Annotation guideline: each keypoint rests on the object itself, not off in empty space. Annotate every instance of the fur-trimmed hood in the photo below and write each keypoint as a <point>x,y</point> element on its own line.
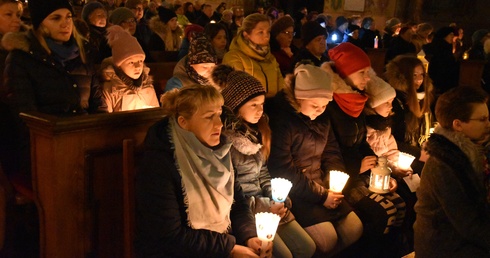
<point>107,72</point>
<point>472,151</point>
<point>396,78</point>
<point>338,84</point>
<point>16,40</point>
<point>156,25</point>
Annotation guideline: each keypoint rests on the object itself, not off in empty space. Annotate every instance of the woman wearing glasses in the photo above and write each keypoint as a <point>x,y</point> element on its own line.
<point>282,32</point>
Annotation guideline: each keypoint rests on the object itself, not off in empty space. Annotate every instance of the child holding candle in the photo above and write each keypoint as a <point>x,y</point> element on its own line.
<point>247,128</point>
<point>304,150</point>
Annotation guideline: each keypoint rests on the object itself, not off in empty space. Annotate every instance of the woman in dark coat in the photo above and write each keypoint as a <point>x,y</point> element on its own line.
<point>46,71</point>
<point>453,216</point>
<point>188,199</point>
<point>304,150</point>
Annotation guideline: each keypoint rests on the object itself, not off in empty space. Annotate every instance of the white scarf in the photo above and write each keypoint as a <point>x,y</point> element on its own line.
<point>207,180</point>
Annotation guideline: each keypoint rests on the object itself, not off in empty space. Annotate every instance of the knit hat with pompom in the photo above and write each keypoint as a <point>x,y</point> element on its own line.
<point>239,86</point>
<point>123,45</point>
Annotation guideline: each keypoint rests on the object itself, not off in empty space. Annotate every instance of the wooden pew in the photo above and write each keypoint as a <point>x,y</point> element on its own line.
<point>161,73</point>
<point>471,72</point>
<point>78,181</point>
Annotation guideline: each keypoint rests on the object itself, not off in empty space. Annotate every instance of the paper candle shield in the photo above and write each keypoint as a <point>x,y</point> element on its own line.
<point>338,180</point>
<point>280,189</point>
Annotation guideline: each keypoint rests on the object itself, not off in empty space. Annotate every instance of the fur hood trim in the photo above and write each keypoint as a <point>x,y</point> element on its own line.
<point>470,149</point>
<point>108,73</point>
<point>156,25</point>
<point>396,78</point>
<point>338,84</point>
<point>16,40</point>
<point>242,143</point>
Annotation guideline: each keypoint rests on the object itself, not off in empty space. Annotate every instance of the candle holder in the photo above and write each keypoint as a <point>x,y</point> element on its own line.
<point>266,224</point>
<point>280,189</point>
<point>379,182</point>
<point>405,160</point>
<point>338,179</point>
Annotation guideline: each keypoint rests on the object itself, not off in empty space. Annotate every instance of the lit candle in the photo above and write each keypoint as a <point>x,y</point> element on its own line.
<point>338,180</point>
<point>266,224</point>
<point>405,160</point>
<point>280,189</point>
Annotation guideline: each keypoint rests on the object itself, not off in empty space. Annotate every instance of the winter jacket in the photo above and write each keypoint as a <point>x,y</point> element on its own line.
<point>349,131</point>
<point>98,42</point>
<point>453,218</point>
<point>304,151</point>
<point>265,68</point>
<point>284,60</point>
<point>162,226</point>
<point>119,96</point>
<point>381,141</point>
<point>162,38</point>
<point>443,67</point>
<point>399,47</point>
<point>367,37</point>
<point>36,81</point>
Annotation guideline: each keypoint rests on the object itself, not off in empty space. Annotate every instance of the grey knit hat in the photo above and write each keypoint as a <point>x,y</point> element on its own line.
<point>120,14</point>
<point>240,87</point>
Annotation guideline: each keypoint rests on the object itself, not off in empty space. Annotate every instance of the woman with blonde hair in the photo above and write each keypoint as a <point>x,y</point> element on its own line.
<point>167,34</point>
<point>250,52</point>
<point>48,71</point>
<point>189,203</point>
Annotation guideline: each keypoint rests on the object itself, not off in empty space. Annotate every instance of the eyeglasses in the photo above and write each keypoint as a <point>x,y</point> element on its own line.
<point>130,21</point>
<point>481,119</point>
<point>289,33</point>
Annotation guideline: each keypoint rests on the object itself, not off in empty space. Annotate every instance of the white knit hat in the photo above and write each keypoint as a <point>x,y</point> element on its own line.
<point>379,91</point>
<point>123,45</point>
<point>312,82</point>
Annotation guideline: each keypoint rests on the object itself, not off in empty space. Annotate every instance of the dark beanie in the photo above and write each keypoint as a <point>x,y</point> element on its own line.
<point>120,14</point>
<point>165,14</point>
<point>239,88</point>
<point>90,8</point>
<point>280,25</point>
<point>443,32</point>
<point>40,9</point>
<point>311,30</point>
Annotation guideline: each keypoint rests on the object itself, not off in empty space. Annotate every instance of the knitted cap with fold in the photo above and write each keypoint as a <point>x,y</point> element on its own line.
<point>123,45</point>
<point>40,9</point>
<point>348,59</point>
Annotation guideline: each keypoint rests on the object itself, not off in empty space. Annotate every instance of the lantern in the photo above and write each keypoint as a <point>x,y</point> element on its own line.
<point>280,189</point>
<point>380,177</point>
<point>338,180</point>
<point>405,160</point>
<point>266,224</point>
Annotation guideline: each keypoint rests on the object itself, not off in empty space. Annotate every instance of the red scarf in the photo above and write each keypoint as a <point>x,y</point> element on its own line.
<point>351,103</point>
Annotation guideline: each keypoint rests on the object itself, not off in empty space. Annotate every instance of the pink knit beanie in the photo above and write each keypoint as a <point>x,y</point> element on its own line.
<point>348,59</point>
<point>123,44</point>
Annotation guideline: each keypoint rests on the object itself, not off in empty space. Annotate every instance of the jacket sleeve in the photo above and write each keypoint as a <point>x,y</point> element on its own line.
<point>441,183</point>
<point>332,157</point>
<point>173,83</point>
<point>242,219</point>
<point>281,164</point>
<point>233,59</point>
<point>162,220</point>
<point>265,181</point>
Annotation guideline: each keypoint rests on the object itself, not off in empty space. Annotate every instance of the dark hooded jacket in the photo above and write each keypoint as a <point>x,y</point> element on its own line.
<point>162,225</point>
<point>304,151</point>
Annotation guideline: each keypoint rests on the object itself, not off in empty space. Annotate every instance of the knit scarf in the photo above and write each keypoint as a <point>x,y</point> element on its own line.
<point>128,81</point>
<point>351,103</point>
<point>63,52</point>
<point>261,50</point>
<point>207,180</point>
<point>191,72</point>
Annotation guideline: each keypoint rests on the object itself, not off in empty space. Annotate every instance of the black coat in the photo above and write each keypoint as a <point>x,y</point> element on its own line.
<point>304,151</point>
<point>443,67</point>
<point>351,135</point>
<point>36,81</point>
<point>305,55</point>
<point>162,227</point>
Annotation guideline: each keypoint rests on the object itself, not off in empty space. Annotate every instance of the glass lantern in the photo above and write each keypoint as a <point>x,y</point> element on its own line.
<point>379,181</point>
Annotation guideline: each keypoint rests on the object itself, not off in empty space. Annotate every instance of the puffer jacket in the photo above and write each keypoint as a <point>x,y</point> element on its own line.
<point>180,77</point>
<point>118,96</point>
<point>162,224</point>
<point>265,68</point>
<point>162,38</point>
<point>453,218</point>
<point>304,151</point>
